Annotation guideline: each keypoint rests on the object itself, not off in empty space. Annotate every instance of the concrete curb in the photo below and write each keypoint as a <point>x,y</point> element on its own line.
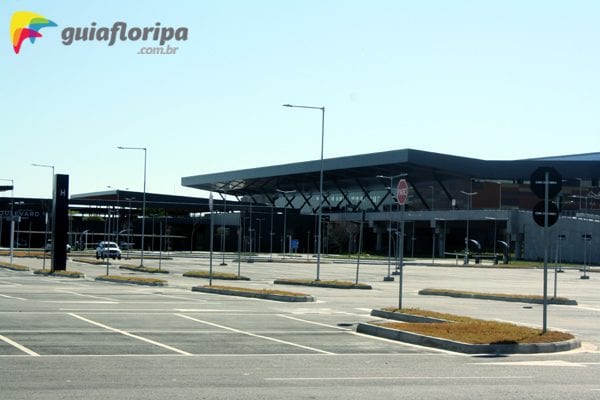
<point>428,292</point>
<point>144,269</point>
<point>190,274</point>
<point>360,286</point>
<point>131,282</point>
<point>266,296</point>
<point>14,267</point>
<point>74,275</point>
<point>405,317</point>
<point>459,347</point>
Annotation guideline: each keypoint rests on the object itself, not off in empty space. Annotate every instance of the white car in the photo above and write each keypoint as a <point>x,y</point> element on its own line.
<point>108,249</point>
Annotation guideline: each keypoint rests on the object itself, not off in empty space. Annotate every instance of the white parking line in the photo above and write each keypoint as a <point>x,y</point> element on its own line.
<point>86,295</point>
<point>255,335</point>
<point>164,346</point>
<point>185,298</point>
<point>352,332</point>
<point>313,323</point>
<point>11,297</point>
<point>388,378</point>
<point>19,346</point>
<point>8,283</point>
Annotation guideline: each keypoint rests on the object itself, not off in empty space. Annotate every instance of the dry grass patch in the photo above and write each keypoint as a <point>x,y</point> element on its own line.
<point>500,295</point>
<point>259,291</point>
<point>131,279</point>
<point>90,260</point>
<point>14,267</point>
<point>150,270</point>
<point>65,274</point>
<point>327,284</point>
<point>215,275</point>
<point>474,331</point>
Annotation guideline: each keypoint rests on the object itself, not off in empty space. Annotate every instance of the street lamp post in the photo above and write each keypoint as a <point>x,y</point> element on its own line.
<point>389,277</point>
<point>469,195</point>
<point>143,197</point>
<point>320,229</point>
<point>12,215</point>
<point>285,193</point>
<point>46,223</point>
<point>260,220</point>
<point>223,230</point>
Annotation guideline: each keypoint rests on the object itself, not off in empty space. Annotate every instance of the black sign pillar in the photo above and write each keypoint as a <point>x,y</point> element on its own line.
<point>60,222</point>
<point>545,182</point>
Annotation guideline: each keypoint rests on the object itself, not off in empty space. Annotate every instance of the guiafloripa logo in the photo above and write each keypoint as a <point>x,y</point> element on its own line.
<point>26,25</point>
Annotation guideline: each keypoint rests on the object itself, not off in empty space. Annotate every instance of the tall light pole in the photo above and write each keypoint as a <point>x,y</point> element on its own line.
<point>285,193</point>
<point>320,229</point>
<point>45,166</point>
<point>143,197</point>
<point>12,215</point>
<point>51,196</point>
<point>389,277</point>
<point>469,195</point>
<point>260,220</point>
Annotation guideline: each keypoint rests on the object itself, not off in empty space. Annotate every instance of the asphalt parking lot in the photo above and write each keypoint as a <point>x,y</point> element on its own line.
<point>74,338</point>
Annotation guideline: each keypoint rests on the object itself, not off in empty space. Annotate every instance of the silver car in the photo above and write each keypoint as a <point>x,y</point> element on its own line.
<point>108,249</point>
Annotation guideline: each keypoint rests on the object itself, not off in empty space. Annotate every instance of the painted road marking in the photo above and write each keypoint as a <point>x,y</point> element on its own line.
<point>537,363</point>
<point>387,378</point>
<point>79,302</point>
<point>143,339</point>
<point>313,323</point>
<point>19,346</point>
<point>11,297</point>
<point>86,295</point>
<point>255,335</point>
<point>10,283</point>
<point>185,298</point>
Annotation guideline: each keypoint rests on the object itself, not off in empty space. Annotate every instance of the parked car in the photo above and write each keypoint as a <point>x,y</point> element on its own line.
<point>48,247</point>
<point>108,249</point>
<point>126,246</point>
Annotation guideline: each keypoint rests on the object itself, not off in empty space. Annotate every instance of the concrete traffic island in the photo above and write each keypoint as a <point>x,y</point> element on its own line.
<point>532,299</point>
<point>132,280</point>
<point>266,294</point>
<point>465,335</point>
<point>61,274</point>
<point>148,270</point>
<point>13,267</point>
<point>324,284</point>
<point>215,275</point>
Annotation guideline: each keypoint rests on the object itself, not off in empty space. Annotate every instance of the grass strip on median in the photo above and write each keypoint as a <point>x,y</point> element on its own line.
<point>325,284</point>
<point>132,280</point>
<point>13,267</point>
<point>64,274</point>
<point>150,270</point>
<point>474,331</point>
<point>268,294</point>
<point>536,299</point>
<point>215,275</point>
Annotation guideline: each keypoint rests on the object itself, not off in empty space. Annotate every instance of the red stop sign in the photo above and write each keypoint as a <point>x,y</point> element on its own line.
<point>402,192</point>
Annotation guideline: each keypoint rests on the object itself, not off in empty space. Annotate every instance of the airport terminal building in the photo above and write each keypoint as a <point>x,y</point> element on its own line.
<point>454,203</point>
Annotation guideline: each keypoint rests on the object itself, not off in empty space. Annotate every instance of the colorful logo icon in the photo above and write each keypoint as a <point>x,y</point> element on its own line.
<point>26,25</point>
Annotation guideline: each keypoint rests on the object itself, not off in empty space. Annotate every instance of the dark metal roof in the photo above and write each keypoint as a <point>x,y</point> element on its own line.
<point>574,157</point>
<point>352,171</point>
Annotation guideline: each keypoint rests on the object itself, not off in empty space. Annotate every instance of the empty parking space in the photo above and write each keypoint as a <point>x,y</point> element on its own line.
<point>49,317</point>
<point>191,333</point>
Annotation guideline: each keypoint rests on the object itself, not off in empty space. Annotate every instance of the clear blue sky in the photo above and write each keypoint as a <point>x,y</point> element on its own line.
<point>487,79</point>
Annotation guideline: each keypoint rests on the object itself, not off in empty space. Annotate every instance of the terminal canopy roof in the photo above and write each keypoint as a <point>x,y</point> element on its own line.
<point>366,170</point>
